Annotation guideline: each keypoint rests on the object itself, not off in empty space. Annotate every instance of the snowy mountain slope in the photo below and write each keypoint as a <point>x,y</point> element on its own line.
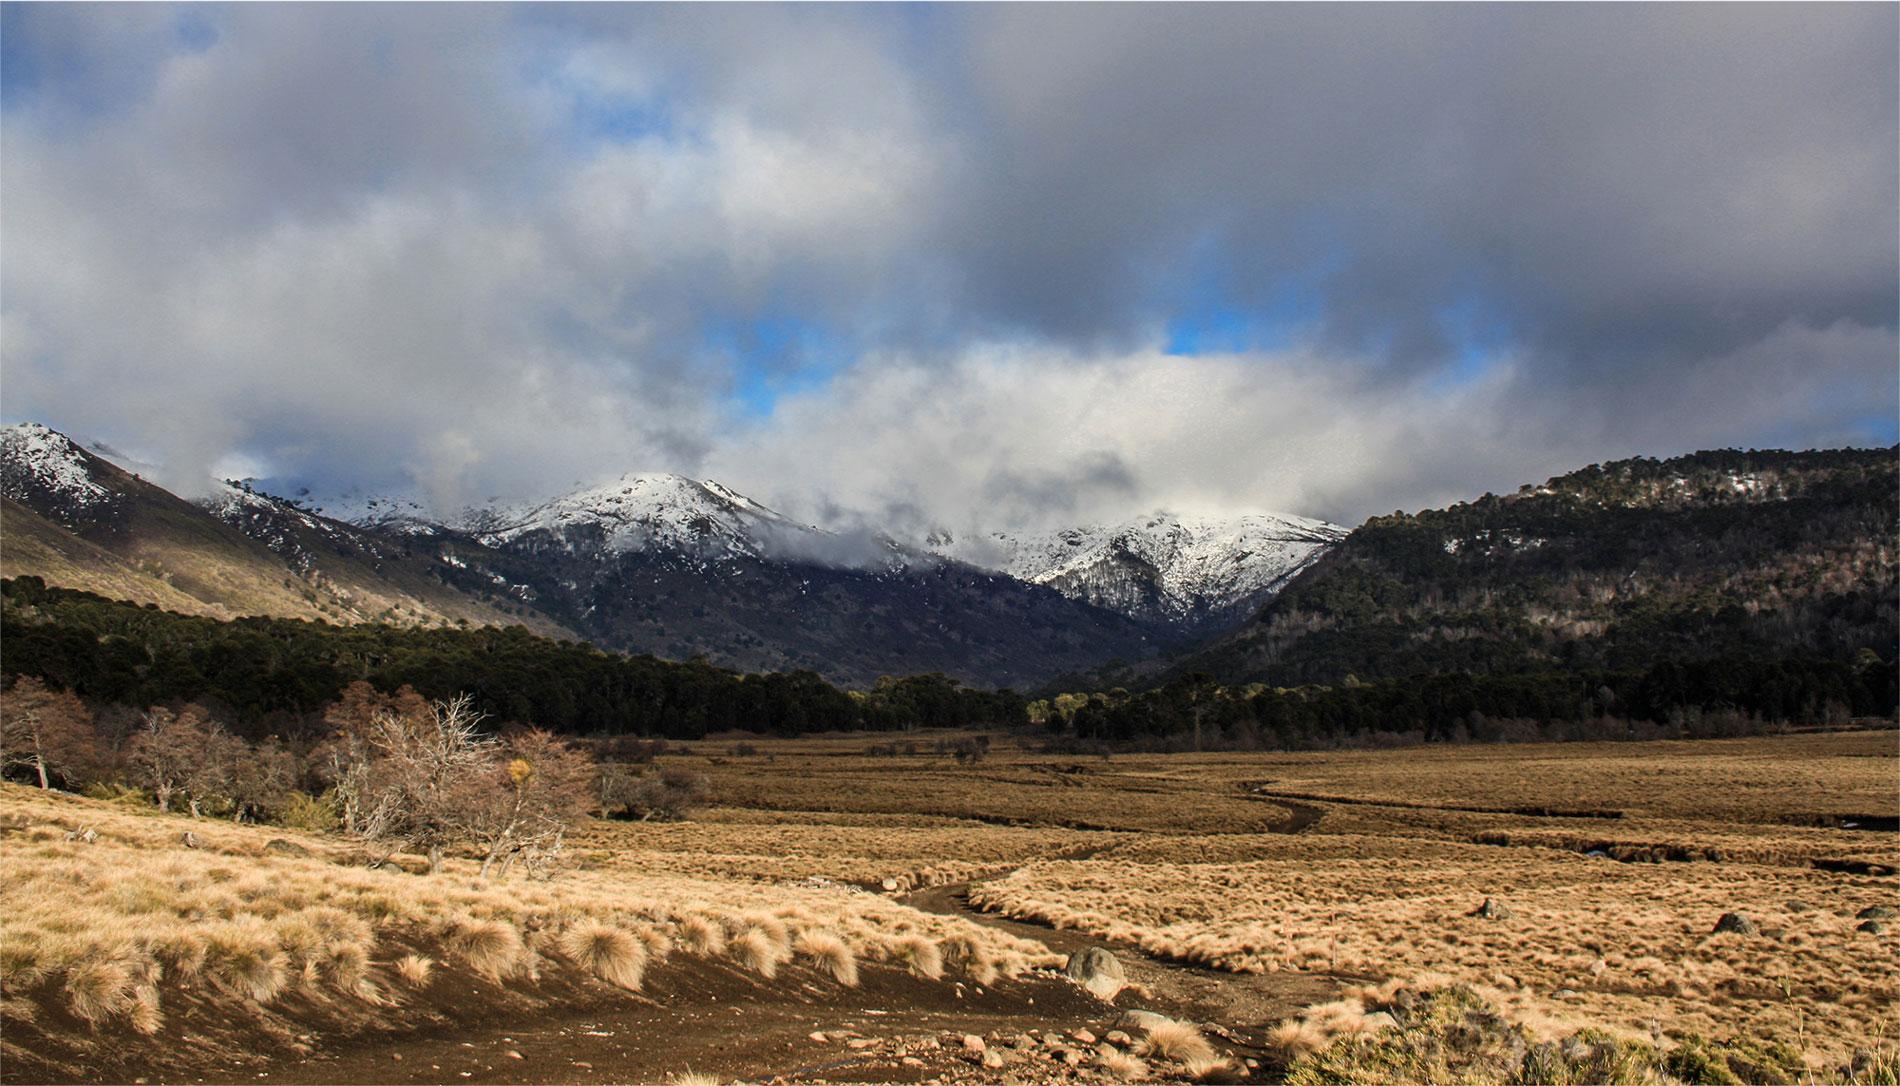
<point>1181,570</point>
<point>43,468</point>
<point>75,518</point>
<point>640,512</point>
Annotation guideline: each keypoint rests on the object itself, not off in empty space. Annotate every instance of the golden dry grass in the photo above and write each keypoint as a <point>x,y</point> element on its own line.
<point>1172,853</point>
<point>99,921</point>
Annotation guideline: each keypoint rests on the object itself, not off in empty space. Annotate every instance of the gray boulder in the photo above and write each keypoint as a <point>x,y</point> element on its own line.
<point>1492,909</point>
<point>1877,912</point>
<point>1097,970</point>
<point>1737,923</point>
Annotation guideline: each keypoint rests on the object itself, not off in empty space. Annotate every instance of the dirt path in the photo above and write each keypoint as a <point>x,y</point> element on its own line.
<point>713,1020</point>
<point>1243,1006</point>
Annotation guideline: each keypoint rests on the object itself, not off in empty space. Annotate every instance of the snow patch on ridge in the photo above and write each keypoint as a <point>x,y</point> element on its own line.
<point>1166,566</point>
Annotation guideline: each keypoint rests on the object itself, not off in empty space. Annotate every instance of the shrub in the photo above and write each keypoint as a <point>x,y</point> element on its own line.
<point>314,814</point>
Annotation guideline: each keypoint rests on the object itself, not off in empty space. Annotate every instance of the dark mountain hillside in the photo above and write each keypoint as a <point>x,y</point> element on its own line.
<point>1615,566</point>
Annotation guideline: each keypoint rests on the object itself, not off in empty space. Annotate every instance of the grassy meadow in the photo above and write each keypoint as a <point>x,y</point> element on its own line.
<point>1367,866</point>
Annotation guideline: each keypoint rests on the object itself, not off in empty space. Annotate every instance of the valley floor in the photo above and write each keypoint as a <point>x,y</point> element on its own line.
<point>1240,891</point>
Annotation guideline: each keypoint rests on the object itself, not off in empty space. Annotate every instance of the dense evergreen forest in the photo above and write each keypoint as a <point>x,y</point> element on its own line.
<point>274,676</point>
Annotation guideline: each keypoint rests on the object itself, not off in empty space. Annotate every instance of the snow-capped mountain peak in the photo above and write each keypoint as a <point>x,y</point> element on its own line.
<point>1163,565</point>
<point>40,465</point>
<point>645,511</point>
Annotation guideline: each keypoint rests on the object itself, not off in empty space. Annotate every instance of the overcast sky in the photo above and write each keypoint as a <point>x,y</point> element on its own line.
<point>950,266</point>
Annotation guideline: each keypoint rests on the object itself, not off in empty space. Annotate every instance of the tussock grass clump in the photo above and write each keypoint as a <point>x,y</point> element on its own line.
<point>1122,1065</point>
<point>755,949</point>
<point>98,991</point>
<point>695,1078</point>
<point>415,969</point>
<point>702,936</point>
<point>607,952</point>
<point>1177,1041</point>
<point>920,955</point>
<point>492,948</point>
<point>830,955</point>
<point>244,957</point>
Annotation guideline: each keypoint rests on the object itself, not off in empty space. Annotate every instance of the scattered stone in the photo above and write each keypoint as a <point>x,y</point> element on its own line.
<point>87,835</point>
<point>860,1043</point>
<point>993,1059</point>
<point>1142,1020</point>
<point>1871,927</point>
<point>1096,969</point>
<point>1736,923</point>
<point>1796,905</point>
<point>1022,1041</point>
<point>911,1061</point>
<point>583,1065</point>
<point>1071,1057</point>
<point>1564,993</point>
<point>285,848</point>
<point>1117,1037</point>
<point>1492,909</point>
<point>188,839</point>
<point>397,1056</point>
<point>972,1043</point>
<point>513,1055</point>
<point>1877,912</point>
<point>818,1037</point>
<point>889,885</point>
<point>1083,1036</point>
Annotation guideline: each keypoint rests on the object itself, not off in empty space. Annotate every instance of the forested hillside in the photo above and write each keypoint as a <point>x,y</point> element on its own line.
<point>1616,566</point>
<point>274,676</point>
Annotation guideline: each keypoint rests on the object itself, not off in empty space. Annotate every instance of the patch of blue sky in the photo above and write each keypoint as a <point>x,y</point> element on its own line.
<point>1480,341</point>
<point>772,357</point>
<point>1212,310</point>
<point>1213,322</point>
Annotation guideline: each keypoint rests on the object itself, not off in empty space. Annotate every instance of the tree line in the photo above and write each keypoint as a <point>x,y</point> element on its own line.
<point>1675,698</point>
<point>274,676</point>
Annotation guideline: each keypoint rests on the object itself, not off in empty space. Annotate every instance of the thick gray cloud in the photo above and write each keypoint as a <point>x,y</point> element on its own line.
<point>1418,252</point>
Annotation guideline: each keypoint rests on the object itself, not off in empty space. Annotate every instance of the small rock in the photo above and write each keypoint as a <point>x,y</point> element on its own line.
<point>1071,1057</point>
<point>188,839</point>
<point>889,885</point>
<point>1564,993</point>
<point>397,1056</point>
<point>1877,912</point>
<point>1022,1041</point>
<point>1492,909</point>
<point>1083,1036</point>
<point>1143,1020</point>
<point>993,1059</point>
<point>1117,1037</point>
<point>285,848</point>
<point>972,1043</point>
<point>1796,905</point>
<point>1737,923</point>
<point>818,1037</point>
<point>1871,927</point>
<point>911,1061</point>
<point>583,1065</point>
<point>513,1055</point>
<point>860,1043</point>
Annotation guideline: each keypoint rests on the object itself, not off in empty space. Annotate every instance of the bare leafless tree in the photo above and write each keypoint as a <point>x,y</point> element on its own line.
<point>540,787</point>
<point>45,730</point>
<point>166,748</point>
<point>428,769</point>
